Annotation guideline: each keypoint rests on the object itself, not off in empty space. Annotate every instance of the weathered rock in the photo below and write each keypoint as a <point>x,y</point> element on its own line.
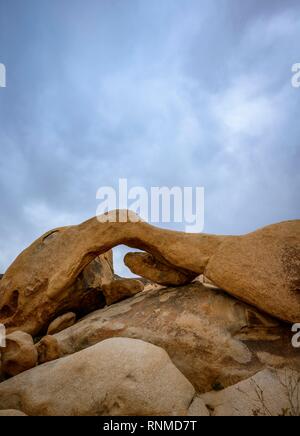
<point>11,412</point>
<point>86,292</point>
<point>198,408</point>
<point>24,302</point>
<point>146,265</point>
<point>115,377</point>
<point>268,393</point>
<point>19,354</point>
<point>120,289</point>
<point>152,287</point>
<point>261,268</point>
<point>212,338</point>
<point>47,349</point>
<point>205,281</point>
<point>61,323</point>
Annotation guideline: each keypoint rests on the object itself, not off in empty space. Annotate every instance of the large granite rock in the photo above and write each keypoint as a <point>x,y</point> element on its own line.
<point>146,265</point>
<point>263,269</point>
<point>116,377</point>
<point>19,354</point>
<point>61,323</point>
<point>267,393</point>
<point>212,338</point>
<point>120,289</point>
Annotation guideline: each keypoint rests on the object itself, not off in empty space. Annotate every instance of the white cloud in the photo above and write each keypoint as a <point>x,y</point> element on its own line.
<point>43,217</point>
<point>245,109</point>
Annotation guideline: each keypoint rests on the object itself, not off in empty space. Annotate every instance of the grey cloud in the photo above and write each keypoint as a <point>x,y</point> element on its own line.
<point>163,93</point>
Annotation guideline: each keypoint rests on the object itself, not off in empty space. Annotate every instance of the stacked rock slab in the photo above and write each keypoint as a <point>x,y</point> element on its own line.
<point>212,338</point>
<point>120,289</point>
<point>61,323</point>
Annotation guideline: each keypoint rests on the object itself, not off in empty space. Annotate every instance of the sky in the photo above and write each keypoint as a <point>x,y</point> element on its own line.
<point>163,93</point>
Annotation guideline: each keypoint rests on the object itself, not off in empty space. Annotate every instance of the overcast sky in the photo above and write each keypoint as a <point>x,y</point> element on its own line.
<point>172,92</point>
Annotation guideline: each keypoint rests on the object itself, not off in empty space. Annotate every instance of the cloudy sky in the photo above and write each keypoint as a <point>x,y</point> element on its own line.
<point>163,93</point>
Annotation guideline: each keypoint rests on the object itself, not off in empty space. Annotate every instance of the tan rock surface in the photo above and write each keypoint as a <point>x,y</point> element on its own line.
<point>24,302</point>
<point>116,377</point>
<point>62,322</point>
<point>120,289</point>
<point>261,268</point>
<point>212,338</point>
<point>47,349</point>
<point>267,393</point>
<point>146,265</point>
<point>19,354</point>
<point>198,408</point>
<point>11,412</point>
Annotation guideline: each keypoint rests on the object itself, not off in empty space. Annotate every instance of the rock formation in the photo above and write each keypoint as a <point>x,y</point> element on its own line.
<point>209,335</point>
<point>47,349</point>
<point>212,338</point>
<point>11,412</point>
<point>24,302</point>
<point>61,323</point>
<point>146,265</point>
<point>19,354</point>
<point>120,289</point>
<point>261,268</point>
<point>116,377</point>
<point>267,393</point>
<point>198,408</point>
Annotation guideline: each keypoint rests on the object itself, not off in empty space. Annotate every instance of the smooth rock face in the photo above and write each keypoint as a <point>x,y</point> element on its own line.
<point>120,289</point>
<point>19,354</point>
<point>146,265</point>
<point>11,413</point>
<point>263,269</point>
<point>115,377</point>
<point>61,323</point>
<point>267,393</point>
<point>212,338</point>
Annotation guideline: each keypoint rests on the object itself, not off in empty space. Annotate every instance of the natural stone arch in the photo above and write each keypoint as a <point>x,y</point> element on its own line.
<point>251,267</point>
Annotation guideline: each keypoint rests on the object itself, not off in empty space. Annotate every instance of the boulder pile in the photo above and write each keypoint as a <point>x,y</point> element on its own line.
<point>205,330</point>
